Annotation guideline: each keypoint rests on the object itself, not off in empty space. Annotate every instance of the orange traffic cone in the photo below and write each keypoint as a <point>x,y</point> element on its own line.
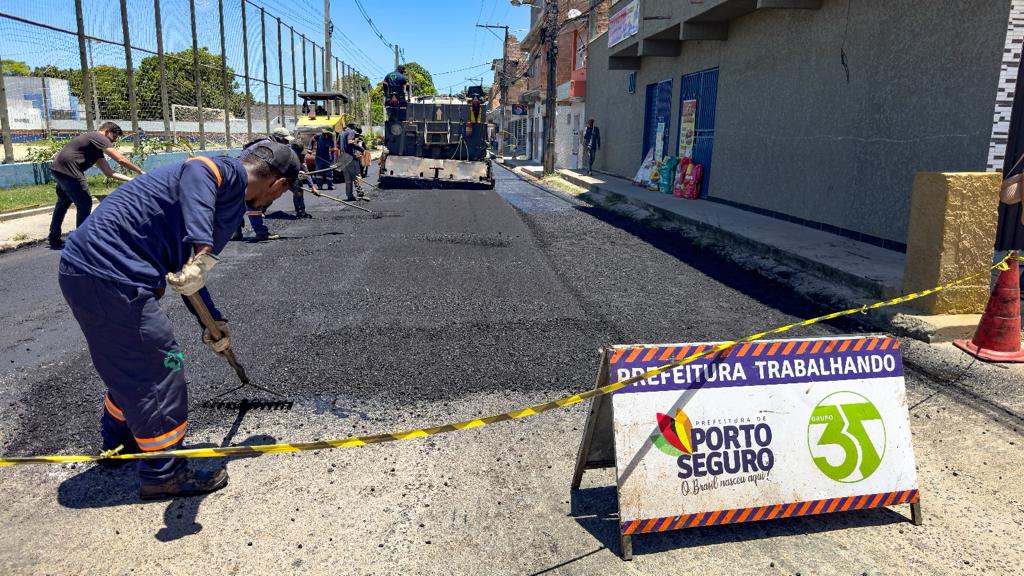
<point>998,336</point>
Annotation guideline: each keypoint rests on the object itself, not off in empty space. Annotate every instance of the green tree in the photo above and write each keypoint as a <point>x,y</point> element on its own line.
<point>421,80</point>
<point>15,68</point>
<point>180,83</point>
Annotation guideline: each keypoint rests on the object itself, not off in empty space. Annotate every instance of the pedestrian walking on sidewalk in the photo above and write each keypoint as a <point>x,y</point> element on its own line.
<point>69,166</point>
<point>592,143</point>
<point>163,228</point>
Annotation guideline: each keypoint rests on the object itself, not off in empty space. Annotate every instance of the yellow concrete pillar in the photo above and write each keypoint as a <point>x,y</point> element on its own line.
<point>952,230</point>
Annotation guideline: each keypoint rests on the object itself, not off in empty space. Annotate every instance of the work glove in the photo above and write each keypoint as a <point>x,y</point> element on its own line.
<point>192,276</point>
<point>218,346</point>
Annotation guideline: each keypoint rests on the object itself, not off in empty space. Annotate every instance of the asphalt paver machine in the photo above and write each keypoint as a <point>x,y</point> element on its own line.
<point>438,145</point>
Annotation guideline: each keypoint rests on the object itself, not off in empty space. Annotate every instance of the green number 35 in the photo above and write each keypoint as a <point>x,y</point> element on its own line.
<point>844,427</point>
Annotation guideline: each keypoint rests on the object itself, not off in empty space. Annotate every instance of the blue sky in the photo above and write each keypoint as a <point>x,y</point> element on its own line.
<point>440,34</point>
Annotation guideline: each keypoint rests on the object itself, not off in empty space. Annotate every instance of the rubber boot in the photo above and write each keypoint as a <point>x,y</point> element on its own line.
<point>188,482</point>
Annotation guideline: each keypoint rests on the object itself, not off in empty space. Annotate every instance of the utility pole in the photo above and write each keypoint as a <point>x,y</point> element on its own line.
<point>503,85</point>
<point>327,47</point>
<point>549,104</point>
<point>396,56</point>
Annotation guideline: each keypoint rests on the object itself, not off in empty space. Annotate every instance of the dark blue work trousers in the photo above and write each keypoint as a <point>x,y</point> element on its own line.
<point>70,190</point>
<point>131,341</point>
<point>325,178</point>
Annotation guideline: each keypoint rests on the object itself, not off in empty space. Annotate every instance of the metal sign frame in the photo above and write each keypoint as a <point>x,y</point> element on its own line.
<point>598,450</point>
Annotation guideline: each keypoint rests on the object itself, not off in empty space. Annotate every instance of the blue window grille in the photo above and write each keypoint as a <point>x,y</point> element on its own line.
<point>703,87</point>
<point>658,110</point>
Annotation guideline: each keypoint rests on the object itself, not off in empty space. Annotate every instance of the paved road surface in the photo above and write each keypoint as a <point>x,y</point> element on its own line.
<point>455,304</point>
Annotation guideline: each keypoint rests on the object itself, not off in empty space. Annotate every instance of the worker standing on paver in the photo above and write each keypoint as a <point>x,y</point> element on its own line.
<point>68,169</point>
<point>164,228</point>
<point>396,94</point>
<point>283,136</point>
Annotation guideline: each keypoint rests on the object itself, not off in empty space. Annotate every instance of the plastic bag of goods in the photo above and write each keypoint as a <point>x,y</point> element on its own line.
<point>643,175</point>
<point>679,184</point>
<point>667,174</point>
<point>691,182</point>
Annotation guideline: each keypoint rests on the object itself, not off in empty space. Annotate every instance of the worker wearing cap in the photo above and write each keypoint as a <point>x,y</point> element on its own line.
<point>325,152</point>
<point>283,136</point>
<point>163,228</point>
<point>348,165</point>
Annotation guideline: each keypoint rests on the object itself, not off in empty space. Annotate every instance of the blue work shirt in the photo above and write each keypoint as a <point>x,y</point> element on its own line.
<point>149,226</point>
<point>347,136</point>
<point>324,143</point>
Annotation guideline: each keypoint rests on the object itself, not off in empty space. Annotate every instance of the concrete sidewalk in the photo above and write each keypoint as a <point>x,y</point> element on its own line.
<point>31,226</point>
<point>836,271</point>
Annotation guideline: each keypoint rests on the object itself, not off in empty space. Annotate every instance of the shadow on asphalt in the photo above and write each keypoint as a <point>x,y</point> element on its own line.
<point>766,291</point>
<point>100,487</point>
<point>951,386</point>
<point>595,509</point>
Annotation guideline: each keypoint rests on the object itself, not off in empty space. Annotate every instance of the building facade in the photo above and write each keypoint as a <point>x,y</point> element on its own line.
<point>509,117</point>
<point>819,112</point>
<point>578,22</point>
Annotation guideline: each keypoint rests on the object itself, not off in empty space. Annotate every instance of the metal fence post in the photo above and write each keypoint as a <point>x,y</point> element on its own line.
<point>280,71</point>
<point>245,64</point>
<point>89,118</point>
<point>224,77</point>
<point>305,85</point>
<point>5,122</point>
<point>195,74</point>
<point>165,105</point>
<point>295,95</point>
<point>46,108</point>
<point>132,103</point>
<point>266,84</point>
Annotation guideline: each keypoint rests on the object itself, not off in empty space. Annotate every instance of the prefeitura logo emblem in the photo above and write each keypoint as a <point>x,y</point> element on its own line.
<point>846,437</point>
<point>674,437</point>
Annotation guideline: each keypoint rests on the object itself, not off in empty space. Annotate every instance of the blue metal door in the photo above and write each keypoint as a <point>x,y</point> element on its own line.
<point>703,87</point>
<point>658,112</point>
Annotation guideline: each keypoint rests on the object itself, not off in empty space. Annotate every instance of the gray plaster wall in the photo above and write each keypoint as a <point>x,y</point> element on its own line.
<point>793,136</point>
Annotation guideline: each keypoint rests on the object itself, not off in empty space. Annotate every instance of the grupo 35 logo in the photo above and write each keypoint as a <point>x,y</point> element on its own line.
<point>846,437</point>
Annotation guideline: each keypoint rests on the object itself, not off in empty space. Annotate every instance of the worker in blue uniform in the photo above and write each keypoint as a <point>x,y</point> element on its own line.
<point>164,228</point>
<point>325,152</point>
<point>397,94</point>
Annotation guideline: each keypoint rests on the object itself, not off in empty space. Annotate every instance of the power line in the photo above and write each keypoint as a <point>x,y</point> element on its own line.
<point>373,27</point>
<point>462,69</point>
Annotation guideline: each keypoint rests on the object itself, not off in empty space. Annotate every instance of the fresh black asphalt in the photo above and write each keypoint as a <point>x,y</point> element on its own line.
<point>444,294</point>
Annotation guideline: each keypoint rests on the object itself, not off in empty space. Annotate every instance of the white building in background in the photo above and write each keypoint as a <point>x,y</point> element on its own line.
<point>34,102</point>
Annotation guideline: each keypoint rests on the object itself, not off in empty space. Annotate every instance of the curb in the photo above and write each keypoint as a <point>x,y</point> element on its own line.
<point>25,244</point>
<point>5,216</point>
<point>808,282</point>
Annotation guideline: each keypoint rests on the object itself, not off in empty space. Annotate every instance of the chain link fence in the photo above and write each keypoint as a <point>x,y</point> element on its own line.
<point>174,74</point>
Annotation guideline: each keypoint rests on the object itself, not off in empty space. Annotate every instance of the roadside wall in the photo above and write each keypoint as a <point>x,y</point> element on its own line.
<point>29,173</point>
<point>794,137</point>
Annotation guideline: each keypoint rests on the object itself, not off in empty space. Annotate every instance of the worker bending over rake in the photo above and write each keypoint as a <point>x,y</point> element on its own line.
<point>162,228</point>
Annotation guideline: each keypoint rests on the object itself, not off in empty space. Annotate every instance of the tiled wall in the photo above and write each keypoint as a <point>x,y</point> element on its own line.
<point>1007,81</point>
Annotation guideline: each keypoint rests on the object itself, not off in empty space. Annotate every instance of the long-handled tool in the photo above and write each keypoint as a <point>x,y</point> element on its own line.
<point>319,194</point>
<point>207,319</point>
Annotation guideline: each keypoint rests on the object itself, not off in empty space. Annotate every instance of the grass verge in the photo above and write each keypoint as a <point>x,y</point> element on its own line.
<point>563,185</point>
<point>22,197</point>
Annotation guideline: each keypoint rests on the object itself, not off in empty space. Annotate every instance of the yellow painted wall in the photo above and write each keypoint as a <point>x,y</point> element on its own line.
<point>952,230</point>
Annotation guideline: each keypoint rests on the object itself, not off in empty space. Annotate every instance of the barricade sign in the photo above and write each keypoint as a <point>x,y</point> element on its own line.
<point>763,430</point>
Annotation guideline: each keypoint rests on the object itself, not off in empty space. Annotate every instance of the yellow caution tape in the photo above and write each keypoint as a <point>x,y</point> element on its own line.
<point>479,422</point>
